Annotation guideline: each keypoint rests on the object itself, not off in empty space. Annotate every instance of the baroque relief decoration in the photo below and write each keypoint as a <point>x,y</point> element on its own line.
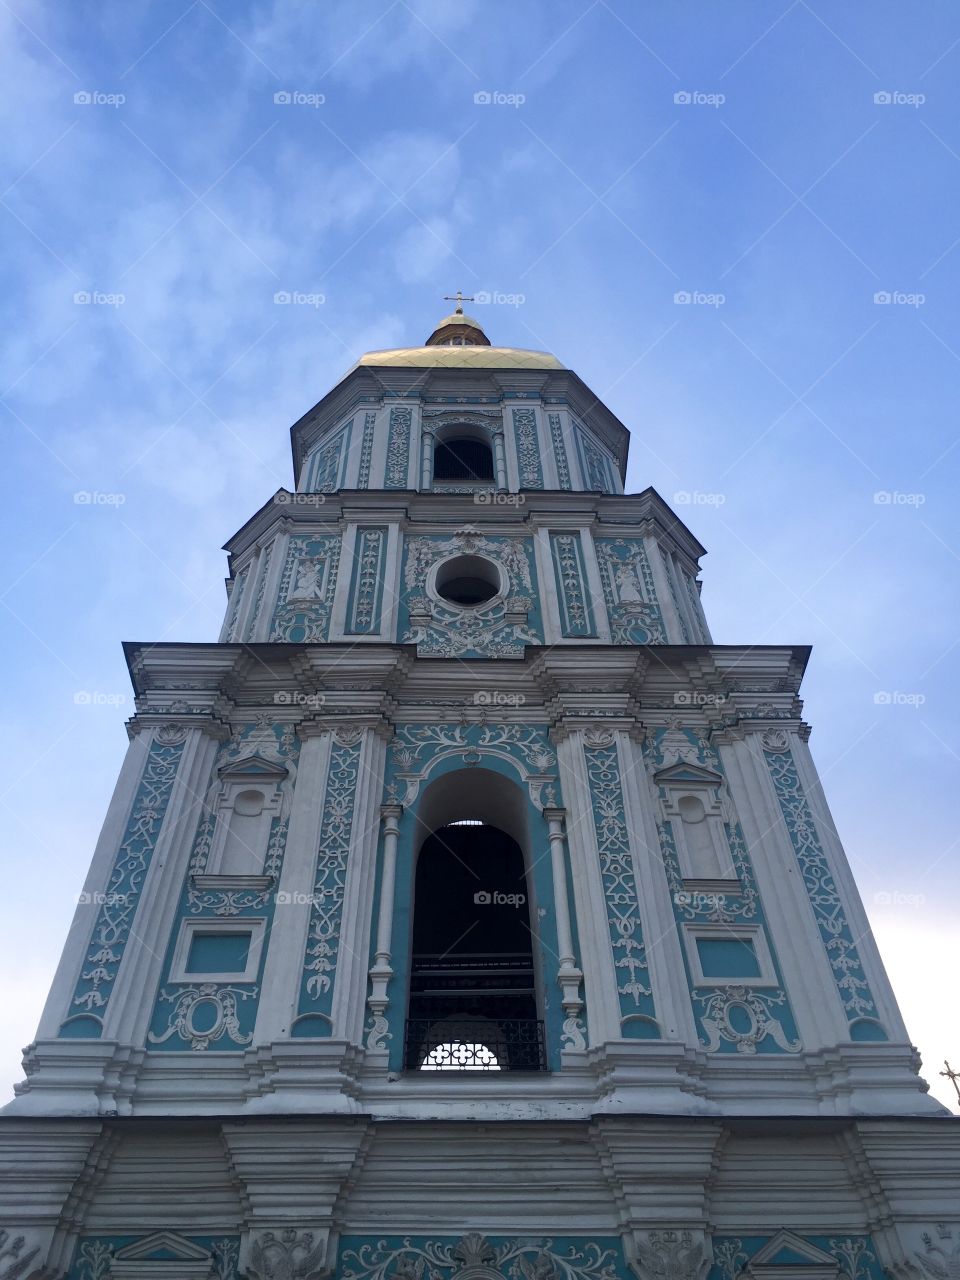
<point>366,588</point>
<point>326,463</point>
<point>668,573</point>
<point>851,1257</point>
<point>936,1261</point>
<point>125,1257</point>
<point>204,1014</point>
<point>111,931</point>
<point>307,585</point>
<point>629,591</point>
<point>323,937</point>
<point>291,1255</point>
<point>559,450</point>
<point>618,875</point>
<point>416,747</point>
<point>576,613</point>
<point>528,448</point>
<point>366,449</point>
<point>835,932</point>
<point>499,629</point>
<point>596,468</point>
<point>730,1018</point>
<point>398,447</point>
<point>265,557</point>
<point>236,600</point>
<point>743,1018</point>
<point>13,1261</point>
<point>260,745</point>
<point>669,1255</point>
<point>480,1257</point>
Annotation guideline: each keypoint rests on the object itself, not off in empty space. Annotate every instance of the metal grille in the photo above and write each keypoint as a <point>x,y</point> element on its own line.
<point>462,460</point>
<point>475,1044</point>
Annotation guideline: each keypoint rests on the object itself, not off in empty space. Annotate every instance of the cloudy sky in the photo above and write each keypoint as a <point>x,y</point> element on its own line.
<point>791,169</point>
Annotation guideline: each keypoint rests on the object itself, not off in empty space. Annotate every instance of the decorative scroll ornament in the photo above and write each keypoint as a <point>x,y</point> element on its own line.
<point>528,448</point>
<point>398,447</point>
<point>838,940</point>
<point>417,746</point>
<point>115,917</point>
<point>307,584</point>
<point>219,1015</point>
<point>559,450</point>
<point>290,1256</point>
<point>618,875</point>
<point>742,1016</point>
<point>574,1033</point>
<point>366,449</point>
<point>476,1258</point>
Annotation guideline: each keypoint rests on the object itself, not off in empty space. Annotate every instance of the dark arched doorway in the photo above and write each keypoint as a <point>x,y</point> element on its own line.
<point>473,999</point>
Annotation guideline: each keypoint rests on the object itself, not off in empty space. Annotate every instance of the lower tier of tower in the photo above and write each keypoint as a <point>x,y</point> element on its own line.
<point>625,1197</point>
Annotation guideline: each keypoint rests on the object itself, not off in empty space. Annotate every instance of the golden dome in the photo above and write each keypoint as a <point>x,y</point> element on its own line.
<point>478,357</point>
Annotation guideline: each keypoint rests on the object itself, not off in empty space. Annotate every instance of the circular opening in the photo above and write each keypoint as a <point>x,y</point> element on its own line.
<point>691,809</point>
<point>468,581</point>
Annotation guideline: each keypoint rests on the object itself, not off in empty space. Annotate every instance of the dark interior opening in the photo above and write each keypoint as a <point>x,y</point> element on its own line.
<point>472,973</point>
<point>463,460</point>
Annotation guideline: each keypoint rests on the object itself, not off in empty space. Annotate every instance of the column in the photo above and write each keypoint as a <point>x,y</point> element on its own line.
<point>568,976</point>
<point>381,971</point>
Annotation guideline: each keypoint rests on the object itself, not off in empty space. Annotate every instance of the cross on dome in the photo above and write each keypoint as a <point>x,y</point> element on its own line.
<point>459,299</point>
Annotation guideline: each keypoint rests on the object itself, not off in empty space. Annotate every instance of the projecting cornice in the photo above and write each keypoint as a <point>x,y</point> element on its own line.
<point>722,687</point>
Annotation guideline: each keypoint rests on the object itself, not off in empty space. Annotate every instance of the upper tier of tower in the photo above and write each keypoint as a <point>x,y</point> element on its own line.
<point>458,415</point>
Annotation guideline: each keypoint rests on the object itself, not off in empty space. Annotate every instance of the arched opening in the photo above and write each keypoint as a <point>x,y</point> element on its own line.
<point>463,460</point>
<point>467,581</point>
<point>473,1001</point>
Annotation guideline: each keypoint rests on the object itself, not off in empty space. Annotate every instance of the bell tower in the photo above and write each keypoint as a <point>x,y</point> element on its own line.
<point>464,911</point>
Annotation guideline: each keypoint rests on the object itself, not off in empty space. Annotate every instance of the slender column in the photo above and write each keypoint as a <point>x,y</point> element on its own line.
<point>426,460</point>
<point>381,971</point>
<point>500,461</point>
<point>569,976</point>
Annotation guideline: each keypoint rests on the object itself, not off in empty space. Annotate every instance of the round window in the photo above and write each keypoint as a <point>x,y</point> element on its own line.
<point>468,581</point>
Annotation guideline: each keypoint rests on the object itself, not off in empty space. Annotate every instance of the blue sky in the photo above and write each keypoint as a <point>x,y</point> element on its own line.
<point>771,409</point>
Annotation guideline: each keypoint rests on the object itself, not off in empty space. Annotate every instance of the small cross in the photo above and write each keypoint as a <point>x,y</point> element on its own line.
<point>459,300</point>
<point>952,1076</point>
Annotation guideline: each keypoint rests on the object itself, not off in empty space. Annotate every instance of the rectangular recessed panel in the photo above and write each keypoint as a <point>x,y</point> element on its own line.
<point>728,958</point>
<point>218,953</point>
